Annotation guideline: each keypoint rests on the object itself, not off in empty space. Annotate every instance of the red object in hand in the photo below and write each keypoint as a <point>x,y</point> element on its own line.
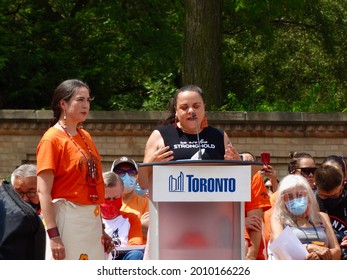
<point>265,158</point>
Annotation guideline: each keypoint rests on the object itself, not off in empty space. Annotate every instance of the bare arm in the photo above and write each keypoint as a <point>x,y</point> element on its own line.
<point>44,187</point>
<point>154,152</point>
<point>276,228</point>
<point>333,252</point>
<point>271,173</point>
<point>255,235</point>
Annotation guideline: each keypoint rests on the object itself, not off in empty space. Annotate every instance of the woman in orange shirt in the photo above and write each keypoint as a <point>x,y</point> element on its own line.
<point>69,178</point>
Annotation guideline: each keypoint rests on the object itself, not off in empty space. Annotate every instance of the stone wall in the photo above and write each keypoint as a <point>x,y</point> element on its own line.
<point>126,133</point>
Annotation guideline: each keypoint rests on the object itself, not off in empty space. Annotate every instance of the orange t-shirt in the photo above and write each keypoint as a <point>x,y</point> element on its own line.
<point>137,205</point>
<point>57,152</point>
<point>127,226</point>
<point>267,218</point>
<point>259,199</point>
<point>259,196</point>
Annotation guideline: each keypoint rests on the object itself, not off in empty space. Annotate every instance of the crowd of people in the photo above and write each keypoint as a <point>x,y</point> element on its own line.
<point>90,213</point>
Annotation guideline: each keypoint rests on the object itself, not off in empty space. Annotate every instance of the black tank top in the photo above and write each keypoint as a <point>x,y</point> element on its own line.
<point>185,146</point>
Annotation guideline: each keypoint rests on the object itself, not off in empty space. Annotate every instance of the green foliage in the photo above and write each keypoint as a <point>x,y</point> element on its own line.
<point>278,55</point>
<point>159,94</point>
<point>286,55</point>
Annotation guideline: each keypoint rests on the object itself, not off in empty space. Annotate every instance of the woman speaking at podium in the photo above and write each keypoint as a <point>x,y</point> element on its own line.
<point>185,133</point>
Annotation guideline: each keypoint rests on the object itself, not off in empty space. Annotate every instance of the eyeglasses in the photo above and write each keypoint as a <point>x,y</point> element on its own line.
<point>291,196</point>
<point>27,194</point>
<point>121,172</point>
<point>306,171</point>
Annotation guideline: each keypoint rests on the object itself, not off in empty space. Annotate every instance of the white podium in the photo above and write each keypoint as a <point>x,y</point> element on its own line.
<point>197,208</point>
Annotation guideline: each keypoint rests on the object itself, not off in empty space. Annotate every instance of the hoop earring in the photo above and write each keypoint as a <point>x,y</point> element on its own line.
<point>204,122</point>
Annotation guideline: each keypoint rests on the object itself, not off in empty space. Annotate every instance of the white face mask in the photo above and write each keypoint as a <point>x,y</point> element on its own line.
<point>129,183</point>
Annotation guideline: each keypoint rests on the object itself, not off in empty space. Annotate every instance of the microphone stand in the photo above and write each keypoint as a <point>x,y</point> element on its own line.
<point>197,135</point>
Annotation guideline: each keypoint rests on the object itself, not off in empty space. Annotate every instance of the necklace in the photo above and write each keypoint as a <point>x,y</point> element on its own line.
<point>307,238</point>
<point>91,165</point>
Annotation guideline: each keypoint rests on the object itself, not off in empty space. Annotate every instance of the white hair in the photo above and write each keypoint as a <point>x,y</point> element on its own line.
<point>292,183</point>
<point>23,171</point>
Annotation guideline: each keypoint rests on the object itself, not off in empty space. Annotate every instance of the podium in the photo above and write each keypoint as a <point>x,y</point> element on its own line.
<point>197,208</point>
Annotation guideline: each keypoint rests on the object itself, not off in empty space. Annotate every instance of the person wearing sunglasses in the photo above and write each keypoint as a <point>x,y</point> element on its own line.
<point>127,169</point>
<point>332,199</point>
<point>304,164</point>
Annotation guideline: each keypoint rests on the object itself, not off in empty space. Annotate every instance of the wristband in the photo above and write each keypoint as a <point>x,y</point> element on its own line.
<point>53,232</point>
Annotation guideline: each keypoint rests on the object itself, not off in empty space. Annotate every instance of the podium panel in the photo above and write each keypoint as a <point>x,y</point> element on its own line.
<point>197,209</point>
<point>208,234</point>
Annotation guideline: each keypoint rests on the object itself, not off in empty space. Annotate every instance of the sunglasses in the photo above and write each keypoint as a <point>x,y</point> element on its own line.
<point>121,172</point>
<point>306,171</point>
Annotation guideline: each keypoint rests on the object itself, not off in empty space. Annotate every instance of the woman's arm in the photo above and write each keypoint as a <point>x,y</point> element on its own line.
<point>44,187</point>
<point>276,228</point>
<point>334,246</point>
<point>154,152</point>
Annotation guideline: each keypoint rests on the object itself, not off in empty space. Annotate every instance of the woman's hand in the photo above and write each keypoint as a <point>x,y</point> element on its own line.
<point>312,256</point>
<point>231,153</point>
<point>322,251</point>
<point>254,222</point>
<point>163,154</point>
<point>57,248</point>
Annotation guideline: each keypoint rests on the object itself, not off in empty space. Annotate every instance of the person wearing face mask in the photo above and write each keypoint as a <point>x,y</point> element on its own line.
<point>297,208</point>
<point>127,169</point>
<point>124,228</point>
<point>301,163</point>
<point>332,199</point>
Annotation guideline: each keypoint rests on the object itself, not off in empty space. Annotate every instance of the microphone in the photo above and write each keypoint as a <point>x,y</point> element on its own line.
<point>197,134</point>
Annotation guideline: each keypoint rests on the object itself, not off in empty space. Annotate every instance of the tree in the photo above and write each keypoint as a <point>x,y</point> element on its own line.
<point>264,55</point>
<point>202,48</point>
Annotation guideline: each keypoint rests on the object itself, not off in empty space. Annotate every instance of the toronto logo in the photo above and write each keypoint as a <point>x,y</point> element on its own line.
<point>200,184</point>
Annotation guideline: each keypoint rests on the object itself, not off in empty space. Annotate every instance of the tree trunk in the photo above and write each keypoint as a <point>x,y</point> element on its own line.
<point>202,48</point>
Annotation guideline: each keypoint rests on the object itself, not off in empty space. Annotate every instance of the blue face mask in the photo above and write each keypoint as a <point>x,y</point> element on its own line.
<point>129,182</point>
<point>297,206</point>
<point>140,191</point>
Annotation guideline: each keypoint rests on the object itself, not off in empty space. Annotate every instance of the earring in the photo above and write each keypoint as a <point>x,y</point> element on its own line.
<point>175,123</point>
<point>204,122</point>
<point>64,121</point>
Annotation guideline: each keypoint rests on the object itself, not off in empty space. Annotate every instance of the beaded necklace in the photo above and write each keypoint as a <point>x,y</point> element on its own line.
<point>91,165</point>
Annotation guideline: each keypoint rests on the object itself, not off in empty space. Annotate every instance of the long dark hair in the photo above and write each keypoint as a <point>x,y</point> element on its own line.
<point>64,92</point>
<point>169,117</point>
